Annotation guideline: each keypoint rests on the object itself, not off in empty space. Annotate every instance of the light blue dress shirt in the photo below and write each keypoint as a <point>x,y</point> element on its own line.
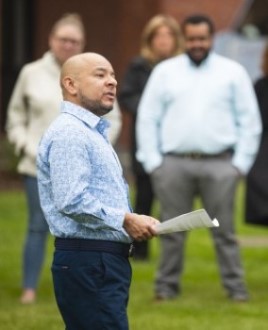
<point>208,109</point>
<point>82,190</point>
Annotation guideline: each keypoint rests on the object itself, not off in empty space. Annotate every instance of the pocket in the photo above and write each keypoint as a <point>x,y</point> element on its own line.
<point>74,273</point>
<point>236,171</point>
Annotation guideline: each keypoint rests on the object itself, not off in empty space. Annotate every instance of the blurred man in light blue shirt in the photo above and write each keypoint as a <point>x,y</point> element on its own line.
<point>198,131</point>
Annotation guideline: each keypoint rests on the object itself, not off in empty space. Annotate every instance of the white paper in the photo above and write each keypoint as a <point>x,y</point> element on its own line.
<point>188,221</point>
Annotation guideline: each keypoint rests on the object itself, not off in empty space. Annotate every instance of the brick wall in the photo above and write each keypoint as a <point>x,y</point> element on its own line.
<point>114,27</point>
<point>223,12</point>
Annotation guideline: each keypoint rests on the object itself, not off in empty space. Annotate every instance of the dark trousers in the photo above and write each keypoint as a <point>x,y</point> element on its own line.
<point>91,289</point>
<point>143,205</point>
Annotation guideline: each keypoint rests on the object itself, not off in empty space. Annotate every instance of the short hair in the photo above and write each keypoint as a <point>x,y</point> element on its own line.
<point>265,60</point>
<point>198,19</point>
<point>69,19</point>
<point>149,32</point>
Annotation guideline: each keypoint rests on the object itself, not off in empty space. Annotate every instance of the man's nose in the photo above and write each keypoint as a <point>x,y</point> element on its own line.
<point>112,81</point>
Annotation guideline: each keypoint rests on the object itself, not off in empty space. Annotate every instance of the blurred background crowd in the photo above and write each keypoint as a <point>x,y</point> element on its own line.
<point>120,31</point>
<point>114,28</point>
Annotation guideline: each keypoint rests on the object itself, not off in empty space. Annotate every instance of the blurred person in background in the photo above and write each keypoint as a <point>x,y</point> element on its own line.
<point>198,131</point>
<point>160,40</point>
<point>34,104</point>
<point>257,179</point>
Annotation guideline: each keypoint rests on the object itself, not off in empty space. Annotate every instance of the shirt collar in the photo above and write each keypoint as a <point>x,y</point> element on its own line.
<point>86,116</point>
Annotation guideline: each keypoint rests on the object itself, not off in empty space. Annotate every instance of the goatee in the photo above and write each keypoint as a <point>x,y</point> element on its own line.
<point>198,61</point>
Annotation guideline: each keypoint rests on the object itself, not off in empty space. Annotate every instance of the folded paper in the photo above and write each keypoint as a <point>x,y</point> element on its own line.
<point>188,221</point>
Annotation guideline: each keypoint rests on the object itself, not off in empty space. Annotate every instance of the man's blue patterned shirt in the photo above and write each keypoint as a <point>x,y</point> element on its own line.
<point>82,189</point>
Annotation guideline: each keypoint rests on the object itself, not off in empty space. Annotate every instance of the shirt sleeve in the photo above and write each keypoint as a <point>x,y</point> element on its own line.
<point>133,84</point>
<point>148,127</point>
<point>248,122</point>
<point>17,115</point>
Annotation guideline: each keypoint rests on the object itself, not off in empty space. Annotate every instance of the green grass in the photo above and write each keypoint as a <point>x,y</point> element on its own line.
<point>201,306</point>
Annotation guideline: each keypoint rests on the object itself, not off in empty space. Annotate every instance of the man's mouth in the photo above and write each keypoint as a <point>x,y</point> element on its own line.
<point>110,95</point>
<point>197,51</point>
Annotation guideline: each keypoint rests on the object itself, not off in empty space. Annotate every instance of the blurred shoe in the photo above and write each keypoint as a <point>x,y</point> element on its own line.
<point>239,297</point>
<point>28,296</point>
<point>161,299</point>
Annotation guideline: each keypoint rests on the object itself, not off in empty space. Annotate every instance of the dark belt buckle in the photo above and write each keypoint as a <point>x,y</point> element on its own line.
<point>131,250</point>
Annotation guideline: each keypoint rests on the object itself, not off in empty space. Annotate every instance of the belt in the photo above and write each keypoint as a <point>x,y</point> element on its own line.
<point>200,155</point>
<point>77,244</point>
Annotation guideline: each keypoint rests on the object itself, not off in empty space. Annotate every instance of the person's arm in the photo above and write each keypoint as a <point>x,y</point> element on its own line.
<point>132,86</point>
<point>17,115</point>
<point>261,90</point>
<point>149,120</point>
<point>71,175</point>
<point>248,123</point>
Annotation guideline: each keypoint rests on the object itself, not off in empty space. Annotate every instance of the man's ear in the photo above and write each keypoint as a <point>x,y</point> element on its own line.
<point>70,85</point>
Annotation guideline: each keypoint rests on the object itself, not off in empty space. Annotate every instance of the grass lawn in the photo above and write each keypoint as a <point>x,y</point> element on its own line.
<point>201,306</point>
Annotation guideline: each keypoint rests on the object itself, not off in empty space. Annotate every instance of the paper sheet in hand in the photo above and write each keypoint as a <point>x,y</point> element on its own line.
<point>188,221</point>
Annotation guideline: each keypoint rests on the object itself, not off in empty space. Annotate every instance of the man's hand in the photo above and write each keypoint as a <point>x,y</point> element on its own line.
<point>140,227</point>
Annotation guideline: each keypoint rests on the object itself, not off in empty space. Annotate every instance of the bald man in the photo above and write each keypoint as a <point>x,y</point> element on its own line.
<point>86,203</point>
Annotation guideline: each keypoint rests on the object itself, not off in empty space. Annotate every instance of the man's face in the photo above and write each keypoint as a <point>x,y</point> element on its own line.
<point>66,41</point>
<point>97,87</point>
<point>198,41</point>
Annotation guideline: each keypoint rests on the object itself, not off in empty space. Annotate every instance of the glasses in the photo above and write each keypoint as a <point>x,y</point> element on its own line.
<point>73,42</point>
